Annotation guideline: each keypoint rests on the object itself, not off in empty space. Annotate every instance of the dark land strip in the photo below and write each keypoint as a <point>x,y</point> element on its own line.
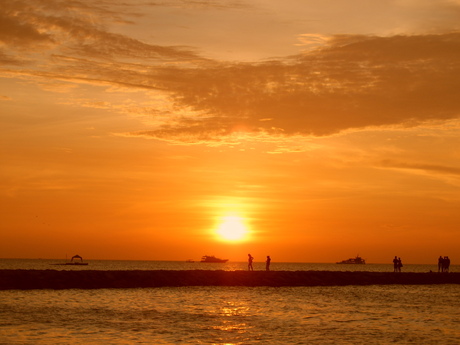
<point>92,279</point>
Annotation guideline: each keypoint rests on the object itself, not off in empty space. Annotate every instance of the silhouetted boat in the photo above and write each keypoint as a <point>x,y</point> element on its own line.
<point>190,260</point>
<point>213,259</point>
<point>74,263</point>
<point>353,261</point>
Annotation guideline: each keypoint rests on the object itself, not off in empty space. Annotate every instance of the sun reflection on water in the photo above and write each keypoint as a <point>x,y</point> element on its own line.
<point>235,314</point>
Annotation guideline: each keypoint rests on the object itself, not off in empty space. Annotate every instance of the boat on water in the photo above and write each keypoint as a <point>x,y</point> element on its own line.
<point>190,260</point>
<point>213,259</point>
<point>74,263</point>
<point>353,261</point>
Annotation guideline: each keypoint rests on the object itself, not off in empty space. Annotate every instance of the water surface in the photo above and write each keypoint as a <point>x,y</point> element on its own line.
<point>41,264</point>
<point>233,315</point>
<point>390,314</point>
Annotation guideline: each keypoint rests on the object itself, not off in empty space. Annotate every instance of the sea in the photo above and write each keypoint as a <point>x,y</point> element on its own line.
<point>375,314</point>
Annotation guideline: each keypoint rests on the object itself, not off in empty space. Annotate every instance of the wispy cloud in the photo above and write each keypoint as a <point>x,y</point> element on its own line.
<point>76,27</point>
<point>422,167</point>
<point>16,31</point>
<point>350,82</point>
<point>201,4</point>
<point>355,82</point>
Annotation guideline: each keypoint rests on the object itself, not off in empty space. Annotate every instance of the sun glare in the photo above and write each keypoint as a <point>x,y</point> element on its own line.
<point>232,228</point>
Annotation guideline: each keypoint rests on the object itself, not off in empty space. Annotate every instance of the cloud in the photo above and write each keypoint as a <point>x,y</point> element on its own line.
<point>354,83</point>
<point>77,27</point>
<point>430,169</point>
<point>14,31</point>
<point>350,82</point>
<point>6,59</point>
<point>201,4</point>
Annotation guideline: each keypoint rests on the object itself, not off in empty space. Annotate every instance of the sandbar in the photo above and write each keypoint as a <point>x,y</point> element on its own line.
<point>96,279</point>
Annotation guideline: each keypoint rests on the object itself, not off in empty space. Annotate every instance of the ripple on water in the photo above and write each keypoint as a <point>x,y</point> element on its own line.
<point>233,315</point>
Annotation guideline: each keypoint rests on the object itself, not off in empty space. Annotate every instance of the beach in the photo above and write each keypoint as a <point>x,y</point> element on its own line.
<point>98,279</point>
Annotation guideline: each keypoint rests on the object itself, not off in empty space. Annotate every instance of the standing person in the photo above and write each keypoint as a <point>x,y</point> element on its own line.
<point>440,264</point>
<point>446,264</point>
<point>395,264</point>
<point>399,264</point>
<point>250,260</point>
<point>267,263</point>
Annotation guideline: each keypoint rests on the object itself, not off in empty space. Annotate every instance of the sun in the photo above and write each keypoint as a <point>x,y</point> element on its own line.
<point>232,228</point>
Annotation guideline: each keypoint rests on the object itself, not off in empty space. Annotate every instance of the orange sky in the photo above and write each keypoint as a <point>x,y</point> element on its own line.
<point>134,129</point>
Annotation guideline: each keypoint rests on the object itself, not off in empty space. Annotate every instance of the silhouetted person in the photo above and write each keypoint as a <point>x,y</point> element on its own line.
<point>395,264</point>
<point>446,264</point>
<point>399,264</point>
<point>440,264</point>
<point>267,263</point>
<point>250,260</point>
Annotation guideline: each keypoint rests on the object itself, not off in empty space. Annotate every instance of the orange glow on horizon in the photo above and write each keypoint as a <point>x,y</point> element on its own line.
<point>230,132</point>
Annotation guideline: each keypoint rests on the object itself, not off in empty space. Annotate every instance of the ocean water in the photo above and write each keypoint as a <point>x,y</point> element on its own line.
<point>233,315</point>
<point>44,264</point>
<point>392,314</point>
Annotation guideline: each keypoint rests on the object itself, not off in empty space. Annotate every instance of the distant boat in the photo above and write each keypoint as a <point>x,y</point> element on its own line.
<point>354,261</point>
<point>190,260</point>
<point>74,263</point>
<point>213,259</point>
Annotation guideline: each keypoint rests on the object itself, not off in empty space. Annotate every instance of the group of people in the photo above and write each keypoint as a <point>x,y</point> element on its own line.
<point>443,264</point>
<point>397,264</point>
<point>251,259</point>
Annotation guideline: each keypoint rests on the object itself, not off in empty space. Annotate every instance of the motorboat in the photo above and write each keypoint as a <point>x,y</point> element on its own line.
<point>213,259</point>
<point>74,263</point>
<point>353,261</point>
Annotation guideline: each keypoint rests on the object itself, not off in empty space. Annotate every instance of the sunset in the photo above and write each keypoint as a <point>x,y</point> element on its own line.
<point>229,172</point>
<point>310,131</point>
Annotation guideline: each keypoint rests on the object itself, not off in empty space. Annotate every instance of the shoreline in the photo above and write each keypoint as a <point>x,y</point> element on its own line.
<point>94,279</point>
